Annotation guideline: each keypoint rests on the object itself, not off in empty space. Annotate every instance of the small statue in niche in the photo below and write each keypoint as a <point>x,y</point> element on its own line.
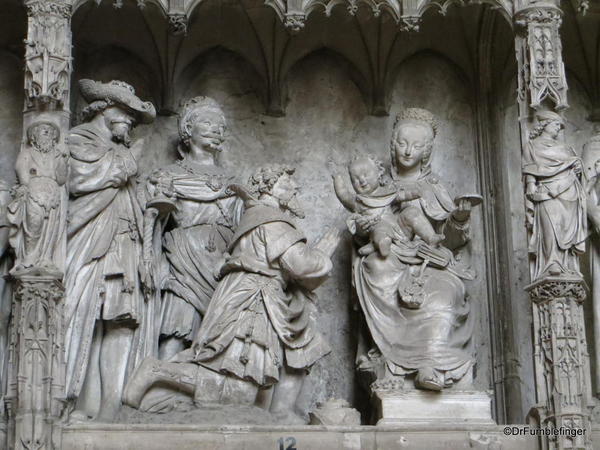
<point>259,336</point>
<point>192,233</point>
<point>414,302</point>
<point>6,261</point>
<point>38,212</point>
<point>556,199</point>
<point>372,199</point>
<point>110,328</point>
<point>591,161</point>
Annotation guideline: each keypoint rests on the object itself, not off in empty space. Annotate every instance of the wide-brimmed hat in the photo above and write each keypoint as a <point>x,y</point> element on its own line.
<point>120,93</point>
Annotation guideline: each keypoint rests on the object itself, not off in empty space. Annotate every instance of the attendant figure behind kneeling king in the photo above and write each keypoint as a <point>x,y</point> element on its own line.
<point>259,332</point>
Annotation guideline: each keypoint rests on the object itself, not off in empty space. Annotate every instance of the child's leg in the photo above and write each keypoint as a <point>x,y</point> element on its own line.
<point>380,236</point>
<point>415,219</point>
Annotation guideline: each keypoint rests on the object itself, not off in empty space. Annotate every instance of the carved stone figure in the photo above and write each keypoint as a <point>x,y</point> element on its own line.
<point>195,232</point>
<point>414,301</point>
<point>591,164</point>
<point>38,213</point>
<point>5,291</point>
<point>107,328</point>
<point>259,334</point>
<point>372,200</point>
<point>557,213</point>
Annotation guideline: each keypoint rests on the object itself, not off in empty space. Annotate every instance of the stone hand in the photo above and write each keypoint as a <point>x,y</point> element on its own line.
<point>329,241</point>
<point>365,223</point>
<point>463,211</point>
<point>577,167</point>
<point>147,280</point>
<point>530,191</point>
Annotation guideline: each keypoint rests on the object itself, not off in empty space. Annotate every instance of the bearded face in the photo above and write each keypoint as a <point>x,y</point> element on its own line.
<point>120,123</point>
<point>43,137</point>
<point>285,191</point>
<point>207,132</point>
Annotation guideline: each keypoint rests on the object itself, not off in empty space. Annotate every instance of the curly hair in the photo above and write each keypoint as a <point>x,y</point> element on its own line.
<point>538,128</point>
<point>94,108</point>
<point>381,171</point>
<point>33,138</point>
<point>417,115</point>
<point>263,180</point>
<point>191,110</point>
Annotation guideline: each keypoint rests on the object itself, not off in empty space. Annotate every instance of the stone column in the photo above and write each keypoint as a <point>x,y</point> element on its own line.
<point>35,394</point>
<point>561,360</point>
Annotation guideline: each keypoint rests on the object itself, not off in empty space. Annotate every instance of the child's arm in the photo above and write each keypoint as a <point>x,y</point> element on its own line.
<point>344,194</point>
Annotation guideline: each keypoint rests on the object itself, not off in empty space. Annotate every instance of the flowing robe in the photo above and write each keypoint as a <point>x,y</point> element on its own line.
<point>263,312</point>
<point>38,213</point>
<point>6,261</point>
<point>559,209</point>
<point>437,334</point>
<point>103,251</point>
<point>193,246</point>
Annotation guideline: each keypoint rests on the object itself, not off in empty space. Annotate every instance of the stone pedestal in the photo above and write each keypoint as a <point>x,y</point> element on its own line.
<point>396,407</point>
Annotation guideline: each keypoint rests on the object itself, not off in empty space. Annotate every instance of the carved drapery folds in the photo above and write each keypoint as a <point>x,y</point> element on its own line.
<point>36,380</point>
<point>561,361</point>
<point>37,219</point>
<point>48,53</point>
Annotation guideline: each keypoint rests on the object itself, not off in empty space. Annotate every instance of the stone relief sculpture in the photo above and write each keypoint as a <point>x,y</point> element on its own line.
<point>107,328</point>
<point>591,166</point>
<point>194,231</point>
<point>414,300</point>
<point>38,211</point>
<point>372,201</point>
<point>557,208</point>
<point>259,336</point>
<point>6,261</point>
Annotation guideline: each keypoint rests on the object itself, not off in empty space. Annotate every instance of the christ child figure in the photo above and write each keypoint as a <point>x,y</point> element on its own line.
<point>372,202</point>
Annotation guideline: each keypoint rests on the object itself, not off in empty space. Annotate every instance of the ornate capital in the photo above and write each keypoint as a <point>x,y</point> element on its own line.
<point>54,8</point>
<point>548,289</point>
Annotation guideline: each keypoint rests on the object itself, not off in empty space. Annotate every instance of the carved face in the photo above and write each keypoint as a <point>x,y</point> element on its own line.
<point>364,175</point>
<point>119,122</point>
<point>207,131</point>
<point>553,128</point>
<point>43,136</point>
<point>411,142</point>
<point>285,190</point>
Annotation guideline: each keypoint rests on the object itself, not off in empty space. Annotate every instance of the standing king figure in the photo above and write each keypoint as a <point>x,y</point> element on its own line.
<point>107,329</point>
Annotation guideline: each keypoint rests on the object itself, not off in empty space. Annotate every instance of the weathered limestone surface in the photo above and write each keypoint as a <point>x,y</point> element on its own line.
<point>121,437</point>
